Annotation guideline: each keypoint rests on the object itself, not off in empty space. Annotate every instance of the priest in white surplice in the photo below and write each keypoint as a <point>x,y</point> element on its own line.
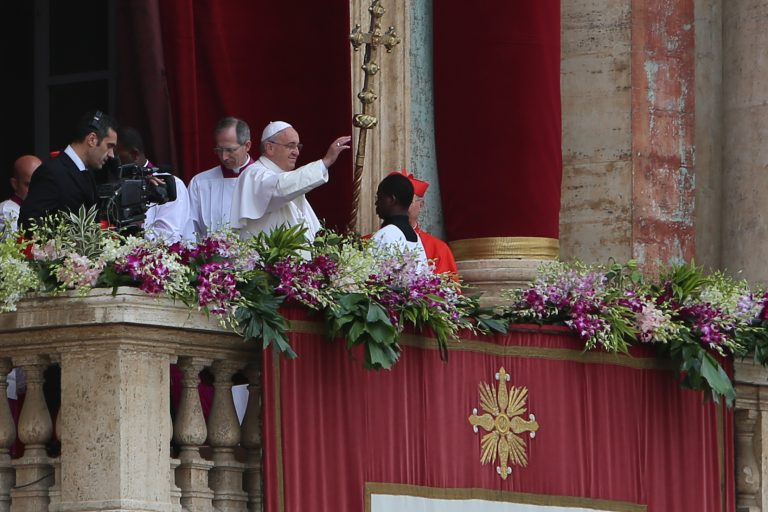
<point>210,192</point>
<point>271,191</point>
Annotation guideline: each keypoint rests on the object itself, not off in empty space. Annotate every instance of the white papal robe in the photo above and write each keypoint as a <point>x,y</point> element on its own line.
<point>210,201</point>
<point>266,197</point>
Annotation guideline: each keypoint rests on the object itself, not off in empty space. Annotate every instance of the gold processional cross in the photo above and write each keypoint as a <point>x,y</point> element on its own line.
<point>365,121</point>
<point>504,423</point>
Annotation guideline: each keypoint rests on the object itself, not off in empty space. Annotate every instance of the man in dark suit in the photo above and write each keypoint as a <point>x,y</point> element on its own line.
<point>65,183</point>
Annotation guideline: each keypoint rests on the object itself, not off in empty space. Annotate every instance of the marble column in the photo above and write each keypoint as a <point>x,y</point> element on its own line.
<point>745,130</point>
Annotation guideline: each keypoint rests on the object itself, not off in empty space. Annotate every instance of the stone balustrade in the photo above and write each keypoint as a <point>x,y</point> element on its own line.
<point>114,423</point>
<point>751,436</point>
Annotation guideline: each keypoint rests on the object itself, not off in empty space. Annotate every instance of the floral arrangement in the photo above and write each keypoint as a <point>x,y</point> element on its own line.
<point>688,316</point>
<point>368,295</point>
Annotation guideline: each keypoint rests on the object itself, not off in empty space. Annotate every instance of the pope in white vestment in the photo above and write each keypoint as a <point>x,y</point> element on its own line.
<point>266,196</point>
<point>271,192</point>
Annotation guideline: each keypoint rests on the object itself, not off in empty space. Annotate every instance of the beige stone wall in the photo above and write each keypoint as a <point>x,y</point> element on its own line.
<point>595,216</point>
<point>745,151</point>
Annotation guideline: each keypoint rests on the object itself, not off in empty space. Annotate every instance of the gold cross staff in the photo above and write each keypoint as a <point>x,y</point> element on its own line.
<point>365,121</point>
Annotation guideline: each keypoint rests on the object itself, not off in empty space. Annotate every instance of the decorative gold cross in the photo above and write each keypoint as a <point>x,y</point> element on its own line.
<point>504,422</point>
<point>365,120</point>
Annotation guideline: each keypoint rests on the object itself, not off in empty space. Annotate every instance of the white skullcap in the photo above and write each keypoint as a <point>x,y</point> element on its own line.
<point>272,128</point>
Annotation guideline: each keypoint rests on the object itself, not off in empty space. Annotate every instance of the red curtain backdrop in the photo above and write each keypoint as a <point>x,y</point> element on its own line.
<point>143,98</point>
<point>497,117</point>
<point>613,429</point>
<point>254,60</point>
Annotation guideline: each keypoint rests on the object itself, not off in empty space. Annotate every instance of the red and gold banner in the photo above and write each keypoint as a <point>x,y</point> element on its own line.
<point>555,426</point>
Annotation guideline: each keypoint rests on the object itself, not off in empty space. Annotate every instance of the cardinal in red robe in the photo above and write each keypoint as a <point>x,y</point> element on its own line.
<point>437,250</point>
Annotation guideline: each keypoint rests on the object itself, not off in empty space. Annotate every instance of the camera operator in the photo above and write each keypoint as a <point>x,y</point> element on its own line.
<point>170,221</point>
<point>66,182</point>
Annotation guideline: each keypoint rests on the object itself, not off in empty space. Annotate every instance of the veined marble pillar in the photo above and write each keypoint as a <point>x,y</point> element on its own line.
<point>629,89</point>
<point>663,71</point>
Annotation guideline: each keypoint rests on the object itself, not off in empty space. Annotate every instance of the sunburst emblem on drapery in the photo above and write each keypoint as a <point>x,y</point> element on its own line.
<point>504,423</point>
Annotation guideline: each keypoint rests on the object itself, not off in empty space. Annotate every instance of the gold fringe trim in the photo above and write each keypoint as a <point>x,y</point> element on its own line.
<point>506,248</point>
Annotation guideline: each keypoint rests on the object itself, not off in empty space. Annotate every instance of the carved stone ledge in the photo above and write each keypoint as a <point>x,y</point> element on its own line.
<point>491,277</point>
<point>751,431</point>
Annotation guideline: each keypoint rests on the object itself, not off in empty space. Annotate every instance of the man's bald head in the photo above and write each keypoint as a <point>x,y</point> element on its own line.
<point>23,168</point>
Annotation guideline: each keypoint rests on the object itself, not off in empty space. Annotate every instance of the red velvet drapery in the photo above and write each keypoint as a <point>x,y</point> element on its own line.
<point>254,60</point>
<point>619,429</point>
<point>497,117</point>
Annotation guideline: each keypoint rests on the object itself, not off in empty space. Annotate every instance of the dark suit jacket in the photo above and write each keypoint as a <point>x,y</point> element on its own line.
<point>57,185</point>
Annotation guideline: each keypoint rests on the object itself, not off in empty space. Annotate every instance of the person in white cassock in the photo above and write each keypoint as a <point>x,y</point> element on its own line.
<point>393,198</point>
<point>23,168</point>
<point>271,192</point>
<point>210,192</point>
<point>169,221</point>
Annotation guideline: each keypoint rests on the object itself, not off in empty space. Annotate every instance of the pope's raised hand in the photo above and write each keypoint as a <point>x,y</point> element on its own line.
<point>335,149</point>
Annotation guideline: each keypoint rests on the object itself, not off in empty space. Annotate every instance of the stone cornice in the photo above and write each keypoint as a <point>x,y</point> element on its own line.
<point>127,319</point>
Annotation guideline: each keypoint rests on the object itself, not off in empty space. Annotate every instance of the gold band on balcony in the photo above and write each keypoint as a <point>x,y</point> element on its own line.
<point>506,248</point>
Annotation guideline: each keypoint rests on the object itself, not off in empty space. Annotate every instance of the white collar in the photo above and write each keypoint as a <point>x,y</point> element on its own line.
<point>269,164</point>
<point>70,152</point>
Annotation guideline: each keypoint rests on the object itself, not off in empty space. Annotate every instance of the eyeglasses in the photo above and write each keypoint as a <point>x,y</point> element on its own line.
<point>291,146</point>
<point>228,151</point>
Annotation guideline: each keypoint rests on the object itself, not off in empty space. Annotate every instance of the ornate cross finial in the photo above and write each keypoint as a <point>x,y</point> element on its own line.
<point>365,120</point>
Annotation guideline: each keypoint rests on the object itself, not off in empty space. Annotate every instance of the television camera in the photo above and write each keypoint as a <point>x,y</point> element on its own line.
<point>124,202</point>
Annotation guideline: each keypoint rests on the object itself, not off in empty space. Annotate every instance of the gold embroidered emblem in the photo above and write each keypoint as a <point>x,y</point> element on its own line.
<point>504,423</point>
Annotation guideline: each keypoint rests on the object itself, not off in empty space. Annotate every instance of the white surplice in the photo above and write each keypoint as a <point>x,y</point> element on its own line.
<point>210,201</point>
<point>171,221</point>
<point>266,197</point>
<point>392,235</point>
<point>9,212</point>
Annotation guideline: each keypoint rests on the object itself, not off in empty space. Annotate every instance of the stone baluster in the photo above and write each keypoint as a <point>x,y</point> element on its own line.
<point>54,492</point>
<point>189,433</point>
<point>751,436</point>
<point>251,438</point>
<point>34,473</point>
<point>7,438</point>
<point>226,478</point>
<point>747,469</point>
<point>175,491</point>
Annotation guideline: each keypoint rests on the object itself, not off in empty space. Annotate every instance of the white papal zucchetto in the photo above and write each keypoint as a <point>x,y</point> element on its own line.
<point>272,128</point>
